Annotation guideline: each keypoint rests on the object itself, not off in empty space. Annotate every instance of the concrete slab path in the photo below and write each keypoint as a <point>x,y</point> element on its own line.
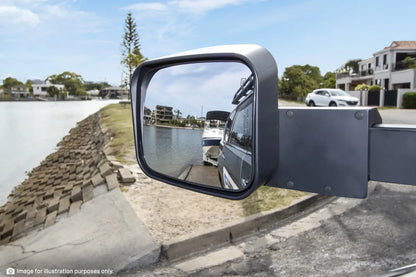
<point>105,234</point>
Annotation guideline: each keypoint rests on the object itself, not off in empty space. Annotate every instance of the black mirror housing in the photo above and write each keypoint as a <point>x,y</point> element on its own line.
<point>265,112</point>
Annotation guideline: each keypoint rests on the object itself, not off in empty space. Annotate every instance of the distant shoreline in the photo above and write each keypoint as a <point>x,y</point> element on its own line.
<point>20,100</point>
<point>39,100</point>
<point>175,127</point>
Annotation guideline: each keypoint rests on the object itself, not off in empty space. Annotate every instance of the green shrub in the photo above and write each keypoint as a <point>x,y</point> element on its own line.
<point>409,62</point>
<point>362,87</point>
<point>374,88</point>
<point>409,100</point>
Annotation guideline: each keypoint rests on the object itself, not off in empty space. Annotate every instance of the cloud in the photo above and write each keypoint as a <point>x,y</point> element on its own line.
<point>187,6</point>
<point>202,6</point>
<point>154,6</point>
<point>55,11</point>
<point>18,16</point>
<point>188,87</point>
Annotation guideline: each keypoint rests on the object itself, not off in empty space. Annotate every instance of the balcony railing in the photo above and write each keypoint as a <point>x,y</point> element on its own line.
<point>364,73</point>
<point>343,75</point>
<point>367,72</point>
<point>400,66</point>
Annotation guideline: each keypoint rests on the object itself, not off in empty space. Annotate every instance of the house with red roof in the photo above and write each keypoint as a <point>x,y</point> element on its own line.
<point>393,68</point>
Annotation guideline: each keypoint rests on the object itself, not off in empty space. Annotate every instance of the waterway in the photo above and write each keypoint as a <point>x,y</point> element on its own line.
<point>171,150</point>
<point>31,130</point>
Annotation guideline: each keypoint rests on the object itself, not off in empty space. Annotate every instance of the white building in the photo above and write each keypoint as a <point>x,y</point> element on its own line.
<point>93,92</point>
<point>115,93</point>
<point>386,68</point>
<point>19,91</point>
<point>42,89</point>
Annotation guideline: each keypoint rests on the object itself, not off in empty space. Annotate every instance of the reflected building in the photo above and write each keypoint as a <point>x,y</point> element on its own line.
<point>114,93</point>
<point>147,117</point>
<point>163,114</point>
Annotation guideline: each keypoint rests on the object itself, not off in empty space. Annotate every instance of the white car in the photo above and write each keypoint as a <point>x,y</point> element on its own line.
<point>331,97</point>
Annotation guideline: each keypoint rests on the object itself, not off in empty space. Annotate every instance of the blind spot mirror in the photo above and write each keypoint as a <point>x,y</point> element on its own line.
<point>198,124</point>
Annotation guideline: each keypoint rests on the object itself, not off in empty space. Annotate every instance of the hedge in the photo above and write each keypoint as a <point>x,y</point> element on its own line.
<point>409,100</point>
<point>374,88</point>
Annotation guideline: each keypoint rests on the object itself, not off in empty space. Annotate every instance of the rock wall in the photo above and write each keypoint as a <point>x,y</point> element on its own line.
<point>73,175</point>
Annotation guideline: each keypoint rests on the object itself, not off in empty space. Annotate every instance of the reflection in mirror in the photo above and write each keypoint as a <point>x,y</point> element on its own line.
<point>198,123</point>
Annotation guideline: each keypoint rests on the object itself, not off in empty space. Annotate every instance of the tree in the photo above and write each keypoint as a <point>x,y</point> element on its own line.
<point>313,72</point>
<point>10,82</point>
<point>98,86</point>
<point>351,66</point>
<point>131,56</point>
<point>73,82</point>
<point>178,113</point>
<point>299,80</point>
<point>64,76</point>
<point>29,84</point>
<point>330,80</point>
<point>53,91</point>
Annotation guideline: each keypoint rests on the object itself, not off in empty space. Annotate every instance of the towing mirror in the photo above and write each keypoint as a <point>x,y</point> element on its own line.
<point>198,122</point>
<point>208,120</point>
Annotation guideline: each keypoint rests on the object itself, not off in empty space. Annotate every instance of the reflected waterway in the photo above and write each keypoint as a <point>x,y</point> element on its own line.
<point>171,150</point>
<point>31,130</point>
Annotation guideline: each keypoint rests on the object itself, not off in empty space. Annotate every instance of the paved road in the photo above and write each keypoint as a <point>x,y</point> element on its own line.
<point>348,237</point>
<point>395,116</point>
<point>390,116</point>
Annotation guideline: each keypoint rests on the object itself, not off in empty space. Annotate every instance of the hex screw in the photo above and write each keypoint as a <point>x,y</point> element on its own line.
<point>290,184</point>
<point>359,115</point>
<point>327,189</point>
<point>289,114</point>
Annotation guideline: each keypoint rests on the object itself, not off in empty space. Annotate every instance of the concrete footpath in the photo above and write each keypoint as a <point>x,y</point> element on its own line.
<point>196,243</point>
<point>104,237</point>
<point>107,238</point>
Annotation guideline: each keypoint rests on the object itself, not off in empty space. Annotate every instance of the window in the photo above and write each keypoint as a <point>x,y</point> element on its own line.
<point>228,126</point>
<point>385,65</point>
<point>241,134</point>
<point>370,70</point>
<point>377,61</point>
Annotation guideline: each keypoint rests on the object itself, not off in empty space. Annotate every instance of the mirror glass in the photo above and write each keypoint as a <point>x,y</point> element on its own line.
<point>198,123</point>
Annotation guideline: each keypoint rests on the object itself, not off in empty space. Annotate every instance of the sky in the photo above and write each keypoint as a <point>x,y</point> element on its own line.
<point>195,89</point>
<point>39,38</point>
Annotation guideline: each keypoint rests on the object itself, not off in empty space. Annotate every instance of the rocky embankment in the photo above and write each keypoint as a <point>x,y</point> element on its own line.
<point>67,178</point>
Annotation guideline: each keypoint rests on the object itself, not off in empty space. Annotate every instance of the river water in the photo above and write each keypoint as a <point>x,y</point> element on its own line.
<point>31,130</point>
<point>171,150</point>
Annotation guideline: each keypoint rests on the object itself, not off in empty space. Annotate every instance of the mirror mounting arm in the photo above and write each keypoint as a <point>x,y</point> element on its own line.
<point>337,151</point>
<point>392,156</point>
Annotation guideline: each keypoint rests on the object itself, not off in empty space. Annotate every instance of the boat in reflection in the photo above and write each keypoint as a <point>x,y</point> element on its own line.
<point>212,136</point>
